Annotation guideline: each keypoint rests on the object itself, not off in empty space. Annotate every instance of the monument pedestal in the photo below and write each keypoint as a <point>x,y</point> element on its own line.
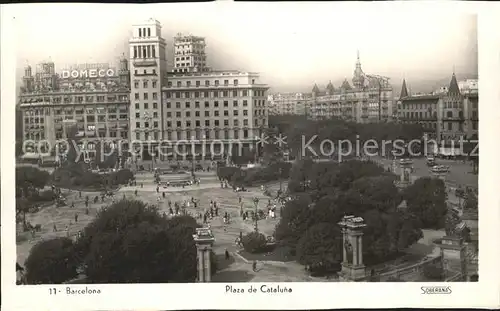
<point>353,268</point>
<point>204,240</point>
<point>352,273</point>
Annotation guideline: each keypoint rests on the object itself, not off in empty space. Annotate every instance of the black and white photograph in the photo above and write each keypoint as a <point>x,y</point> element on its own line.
<point>233,144</point>
<point>172,150</point>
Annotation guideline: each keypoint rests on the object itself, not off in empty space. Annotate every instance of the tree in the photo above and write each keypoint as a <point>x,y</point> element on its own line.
<point>321,245</point>
<point>294,221</point>
<point>29,180</point>
<point>51,262</point>
<point>470,202</point>
<point>426,198</point>
<point>451,221</point>
<point>254,242</point>
<point>130,242</point>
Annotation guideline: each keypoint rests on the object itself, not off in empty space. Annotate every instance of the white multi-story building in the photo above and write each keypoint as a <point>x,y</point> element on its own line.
<point>287,103</point>
<point>148,70</point>
<point>189,54</point>
<point>207,112</point>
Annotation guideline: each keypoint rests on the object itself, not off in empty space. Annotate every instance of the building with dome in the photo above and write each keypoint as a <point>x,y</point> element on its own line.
<point>94,97</point>
<point>368,99</point>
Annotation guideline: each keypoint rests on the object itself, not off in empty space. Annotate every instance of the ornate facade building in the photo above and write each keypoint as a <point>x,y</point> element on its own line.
<point>94,97</point>
<point>368,99</point>
<point>287,103</point>
<point>447,115</point>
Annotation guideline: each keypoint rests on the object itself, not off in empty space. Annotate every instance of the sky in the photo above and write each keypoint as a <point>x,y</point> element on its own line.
<point>292,45</point>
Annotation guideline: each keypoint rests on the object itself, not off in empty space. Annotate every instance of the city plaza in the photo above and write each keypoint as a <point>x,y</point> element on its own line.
<point>237,268</point>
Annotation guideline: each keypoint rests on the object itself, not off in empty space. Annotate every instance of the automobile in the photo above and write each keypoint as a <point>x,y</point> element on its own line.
<point>431,161</point>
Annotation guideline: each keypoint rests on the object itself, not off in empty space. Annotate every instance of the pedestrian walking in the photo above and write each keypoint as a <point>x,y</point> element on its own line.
<point>227,254</point>
<point>76,218</point>
<point>254,266</point>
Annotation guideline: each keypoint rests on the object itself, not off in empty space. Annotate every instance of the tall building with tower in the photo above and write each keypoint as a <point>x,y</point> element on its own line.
<point>148,72</point>
<point>189,54</point>
<point>368,99</point>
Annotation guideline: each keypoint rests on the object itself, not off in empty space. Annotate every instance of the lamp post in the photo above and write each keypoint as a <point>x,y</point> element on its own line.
<point>256,204</point>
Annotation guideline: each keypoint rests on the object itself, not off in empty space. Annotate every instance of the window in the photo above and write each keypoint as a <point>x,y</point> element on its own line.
<point>136,95</point>
<point>245,112</point>
<point>135,52</point>
<point>169,114</point>
<point>186,95</point>
<point>197,83</point>
<point>136,84</point>
<point>196,104</point>
<point>153,50</point>
<point>169,83</point>
<point>207,83</point>
<point>216,122</point>
<point>179,83</point>
<point>188,105</point>
<point>145,84</point>
<point>226,113</point>
<point>155,105</point>
<point>155,114</point>
<point>449,126</point>
<point>207,113</point>
<point>155,95</point>
<point>245,122</point>
<point>169,123</point>
<point>178,124</point>
<point>225,93</point>
<point>177,114</point>
<point>226,104</point>
<point>197,123</point>
<point>235,82</point>
<point>216,94</point>
<point>188,83</point>
<point>177,94</point>
<point>146,106</point>
<point>168,105</point>
<point>245,93</point>
<point>216,82</point>
<point>197,113</point>
<point>155,124</point>
<point>207,123</point>
<point>226,82</point>
<point>216,104</point>
<point>216,113</point>
<point>235,113</point>
<point>154,85</point>
<point>205,94</point>
<point>235,103</point>
<point>145,95</point>
<point>196,94</point>
<point>149,32</point>
<point>137,106</point>
<point>235,93</point>
<point>137,115</point>
<point>138,124</point>
<point>236,123</point>
<point>188,114</point>
<point>207,105</point>
<point>245,103</point>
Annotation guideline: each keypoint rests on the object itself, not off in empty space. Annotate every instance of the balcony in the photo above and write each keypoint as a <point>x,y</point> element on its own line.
<point>145,62</point>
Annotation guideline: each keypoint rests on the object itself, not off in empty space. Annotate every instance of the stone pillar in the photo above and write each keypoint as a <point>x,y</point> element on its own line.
<point>360,250</point>
<point>204,241</point>
<point>352,268</point>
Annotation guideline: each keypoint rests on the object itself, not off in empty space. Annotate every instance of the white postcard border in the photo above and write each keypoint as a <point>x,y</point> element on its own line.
<point>305,295</point>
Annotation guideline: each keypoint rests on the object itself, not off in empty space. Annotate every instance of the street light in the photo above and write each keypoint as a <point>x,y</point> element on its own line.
<point>256,203</point>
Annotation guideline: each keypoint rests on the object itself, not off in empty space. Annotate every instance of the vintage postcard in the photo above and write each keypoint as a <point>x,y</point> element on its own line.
<point>230,155</point>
